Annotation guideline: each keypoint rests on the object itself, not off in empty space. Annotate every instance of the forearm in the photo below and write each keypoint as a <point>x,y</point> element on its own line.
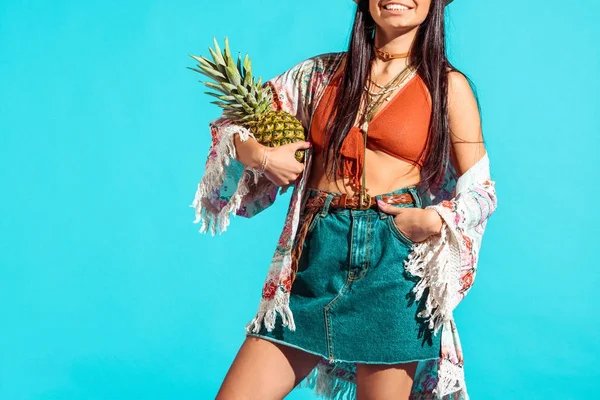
<point>249,152</point>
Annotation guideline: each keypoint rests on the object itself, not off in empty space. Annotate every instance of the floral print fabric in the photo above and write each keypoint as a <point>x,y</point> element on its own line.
<point>446,264</point>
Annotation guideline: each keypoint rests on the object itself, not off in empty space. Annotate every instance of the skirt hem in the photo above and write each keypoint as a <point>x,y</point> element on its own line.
<point>336,360</point>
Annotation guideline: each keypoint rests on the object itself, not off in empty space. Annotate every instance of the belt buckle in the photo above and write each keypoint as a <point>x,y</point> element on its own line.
<point>364,201</point>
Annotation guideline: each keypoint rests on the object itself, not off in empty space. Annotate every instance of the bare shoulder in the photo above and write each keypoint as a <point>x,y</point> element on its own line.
<point>464,121</point>
<point>460,93</point>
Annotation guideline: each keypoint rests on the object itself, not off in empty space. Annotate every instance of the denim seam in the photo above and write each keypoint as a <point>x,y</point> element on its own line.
<point>313,223</point>
<point>328,306</point>
<point>350,267</point>
<point>326,205</point>
<point>368,242</point>
<point>368,248</point>
<point>326,309</point>
<point>416,196</point>
<point>353,220</point>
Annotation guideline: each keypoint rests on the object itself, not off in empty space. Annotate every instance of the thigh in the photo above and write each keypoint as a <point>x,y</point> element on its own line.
<point>265,370</point>
<point>382,382</point>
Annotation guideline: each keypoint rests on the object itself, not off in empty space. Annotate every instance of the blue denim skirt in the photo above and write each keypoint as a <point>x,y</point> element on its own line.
<point>352,299</point>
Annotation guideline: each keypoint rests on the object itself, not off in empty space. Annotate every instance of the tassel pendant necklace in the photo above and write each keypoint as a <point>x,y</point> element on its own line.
<point>374,100</point>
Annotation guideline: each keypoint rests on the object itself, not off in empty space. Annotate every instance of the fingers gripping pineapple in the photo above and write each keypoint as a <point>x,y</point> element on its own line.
<point>283,167</point>
<point>247,102</point>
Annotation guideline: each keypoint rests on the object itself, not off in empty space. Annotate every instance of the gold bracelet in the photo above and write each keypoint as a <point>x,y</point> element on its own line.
<point>263,165</point>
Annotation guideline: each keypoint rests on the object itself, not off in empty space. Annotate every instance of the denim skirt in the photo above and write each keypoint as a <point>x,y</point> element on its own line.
<point>352,299</point>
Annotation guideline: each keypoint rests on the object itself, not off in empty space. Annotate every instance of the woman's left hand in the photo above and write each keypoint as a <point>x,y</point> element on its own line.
<point>416,223</point>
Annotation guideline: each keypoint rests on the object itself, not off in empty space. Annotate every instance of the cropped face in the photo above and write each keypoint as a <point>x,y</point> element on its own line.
<point>398,15</point>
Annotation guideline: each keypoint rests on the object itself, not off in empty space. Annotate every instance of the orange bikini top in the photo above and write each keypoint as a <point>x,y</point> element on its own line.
<point>399,128</point>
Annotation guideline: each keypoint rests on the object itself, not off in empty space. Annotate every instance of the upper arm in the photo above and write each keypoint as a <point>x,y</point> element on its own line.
<point>296,89</point>
<point>465,123</point>
<point>289,89</point>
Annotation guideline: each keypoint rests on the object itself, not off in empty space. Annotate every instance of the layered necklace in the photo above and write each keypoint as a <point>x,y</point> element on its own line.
<point>374,100</point>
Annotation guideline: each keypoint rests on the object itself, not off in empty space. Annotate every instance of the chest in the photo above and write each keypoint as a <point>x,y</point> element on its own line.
<point>400,127</point>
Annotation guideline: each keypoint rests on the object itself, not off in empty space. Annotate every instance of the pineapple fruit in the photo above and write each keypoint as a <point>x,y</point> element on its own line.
<point>247,102</point>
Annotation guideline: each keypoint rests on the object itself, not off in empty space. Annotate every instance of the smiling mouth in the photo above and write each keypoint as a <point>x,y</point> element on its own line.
<point>395,7</point>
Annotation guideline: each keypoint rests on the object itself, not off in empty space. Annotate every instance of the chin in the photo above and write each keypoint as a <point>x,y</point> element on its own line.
<point>391,26</point>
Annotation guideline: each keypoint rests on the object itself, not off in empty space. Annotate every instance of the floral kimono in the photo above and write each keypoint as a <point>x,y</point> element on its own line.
<point>445,264</point>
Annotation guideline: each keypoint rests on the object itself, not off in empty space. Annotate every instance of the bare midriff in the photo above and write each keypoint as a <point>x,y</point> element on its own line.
<point>384,170</point>
<point>384,174</point>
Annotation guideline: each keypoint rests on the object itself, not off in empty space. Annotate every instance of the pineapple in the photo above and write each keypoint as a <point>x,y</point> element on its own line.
<point>246,102</point>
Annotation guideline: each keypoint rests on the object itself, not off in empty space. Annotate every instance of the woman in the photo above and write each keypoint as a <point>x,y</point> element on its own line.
<point>385,222</point>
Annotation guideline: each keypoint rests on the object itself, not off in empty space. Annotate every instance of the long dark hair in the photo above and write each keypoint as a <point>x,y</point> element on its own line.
<point>428,54</point>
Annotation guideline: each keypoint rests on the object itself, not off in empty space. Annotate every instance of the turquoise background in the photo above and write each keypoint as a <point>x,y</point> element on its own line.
<point>107,289</point>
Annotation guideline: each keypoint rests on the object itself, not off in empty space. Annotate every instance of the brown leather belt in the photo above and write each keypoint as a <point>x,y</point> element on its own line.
<point>353,202</point>
<point>314,205</point>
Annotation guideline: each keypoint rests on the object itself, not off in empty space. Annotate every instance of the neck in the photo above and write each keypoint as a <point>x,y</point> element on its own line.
<point>394,43</point>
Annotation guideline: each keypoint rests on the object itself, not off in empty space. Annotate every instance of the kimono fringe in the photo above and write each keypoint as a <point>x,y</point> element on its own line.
<point>327,382</point>
<point>324,382</point>
<point>436,262</point>
<point>267,313</point>
<point>452,384</point>
<point>212,219</point>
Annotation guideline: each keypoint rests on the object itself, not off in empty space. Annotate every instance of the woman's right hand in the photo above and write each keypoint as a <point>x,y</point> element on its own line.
<point>282,166</point>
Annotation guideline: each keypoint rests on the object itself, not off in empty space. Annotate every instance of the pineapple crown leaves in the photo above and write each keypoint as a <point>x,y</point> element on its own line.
<point>233,83</point>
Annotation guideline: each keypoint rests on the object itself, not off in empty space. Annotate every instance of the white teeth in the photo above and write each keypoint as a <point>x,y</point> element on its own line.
<point>395,7</point>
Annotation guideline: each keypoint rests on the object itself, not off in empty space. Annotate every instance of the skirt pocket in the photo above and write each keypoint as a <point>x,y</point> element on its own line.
<point>398,233</point>
<point>314,221</point>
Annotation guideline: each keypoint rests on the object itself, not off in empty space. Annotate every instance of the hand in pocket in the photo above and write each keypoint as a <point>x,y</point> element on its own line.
<point>414,223</point>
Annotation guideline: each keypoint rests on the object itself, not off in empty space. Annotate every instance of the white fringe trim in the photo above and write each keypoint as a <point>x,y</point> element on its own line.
<point>327,383</point>
<point>211,219</point>
<point>437,262</point>
<point>451,381</point>
<point>267,313</point>
<point>324,382</point>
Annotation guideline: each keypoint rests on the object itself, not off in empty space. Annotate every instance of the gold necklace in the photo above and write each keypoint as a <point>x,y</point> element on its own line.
<point>368,114</point>
<point>377,98</point>
<point>384,88</point>
<point>385,56</point>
